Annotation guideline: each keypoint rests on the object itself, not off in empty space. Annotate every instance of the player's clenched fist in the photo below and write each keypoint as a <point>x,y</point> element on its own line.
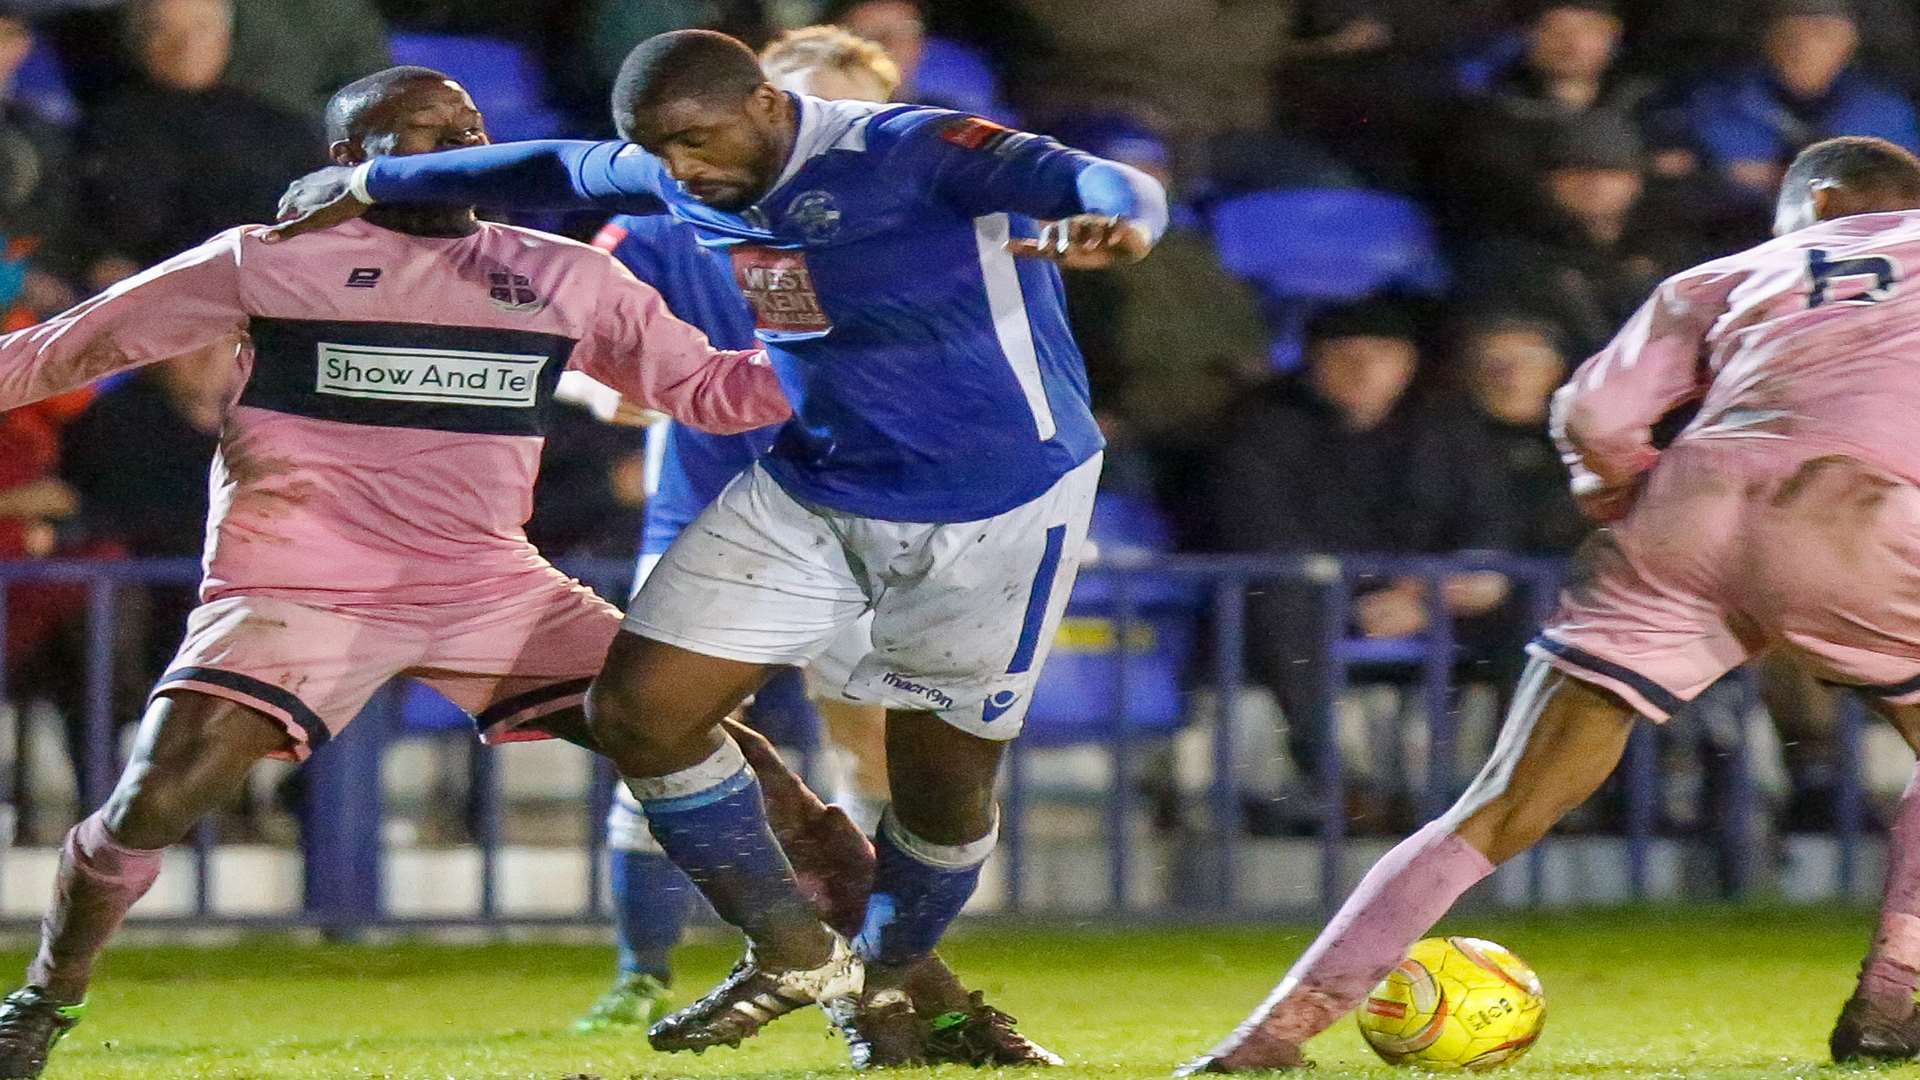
<point>1088,242</point>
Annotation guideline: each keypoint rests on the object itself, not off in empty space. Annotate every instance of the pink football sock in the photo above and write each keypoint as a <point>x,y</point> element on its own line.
<point>98,880</point>
<point>1400,899</point>
<point>1892,968</point>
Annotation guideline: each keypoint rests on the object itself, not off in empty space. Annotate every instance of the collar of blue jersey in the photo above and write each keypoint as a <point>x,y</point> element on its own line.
<point>823,126</point>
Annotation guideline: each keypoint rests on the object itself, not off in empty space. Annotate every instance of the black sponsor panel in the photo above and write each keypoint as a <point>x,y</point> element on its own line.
<point>478,380</point>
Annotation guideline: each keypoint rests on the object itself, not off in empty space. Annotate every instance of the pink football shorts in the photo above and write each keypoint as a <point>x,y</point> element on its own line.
<point>1738,546</point>
<point>508,652</point>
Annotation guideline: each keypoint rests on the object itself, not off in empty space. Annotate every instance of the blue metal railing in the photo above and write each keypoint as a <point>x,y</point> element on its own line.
<point>1131,591</point>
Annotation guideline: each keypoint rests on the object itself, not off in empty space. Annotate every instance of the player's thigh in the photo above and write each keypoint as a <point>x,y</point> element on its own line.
<point>1838,551</point>
<point>193,751</point>
<point>309,666</point>
<point>942,778</point>
<point>1635,620</point>
<point>520,655</point>
<point>966,613</point>
<point>757,578</point>
<point>1562,739</point>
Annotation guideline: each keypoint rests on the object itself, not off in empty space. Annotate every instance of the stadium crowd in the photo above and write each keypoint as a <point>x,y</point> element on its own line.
<point>1400,223</point>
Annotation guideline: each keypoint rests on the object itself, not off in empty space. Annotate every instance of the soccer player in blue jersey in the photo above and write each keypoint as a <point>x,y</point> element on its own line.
<point>939,473</point>
<point>686,470</point>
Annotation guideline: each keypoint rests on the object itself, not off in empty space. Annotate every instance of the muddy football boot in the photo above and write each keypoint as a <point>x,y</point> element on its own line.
<point>30,1024</point>
<point>981,1035</point>
<point>751,997</point>
<point>1867,1031</point>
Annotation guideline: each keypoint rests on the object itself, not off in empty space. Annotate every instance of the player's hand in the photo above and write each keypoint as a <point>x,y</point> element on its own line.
<point>318,200</point>
<point>1475,592</point>
<point>1397,611</point>
<point>39,500</point>
<point>1087,242</point>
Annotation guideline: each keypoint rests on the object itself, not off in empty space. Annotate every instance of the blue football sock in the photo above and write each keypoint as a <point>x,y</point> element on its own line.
<point>710,821</point>
<point>651,901</point>
<point>918,889</point>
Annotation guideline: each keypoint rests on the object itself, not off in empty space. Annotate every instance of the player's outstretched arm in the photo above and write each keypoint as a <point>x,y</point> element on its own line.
<point>186,303</point>
<point>545,174</point>
<point>656,361</point>
<point>1103,213</point>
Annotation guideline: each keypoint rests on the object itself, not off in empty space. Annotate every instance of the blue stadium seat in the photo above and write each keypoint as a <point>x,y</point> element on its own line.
<point>505,79</point>
<point>1305,247</point>
<point>41,83</point>
<point>1074,700</point>
<point>956,76</point>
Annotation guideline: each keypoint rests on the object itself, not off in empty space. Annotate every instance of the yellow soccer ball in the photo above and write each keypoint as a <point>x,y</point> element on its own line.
<point>1455,1003</point>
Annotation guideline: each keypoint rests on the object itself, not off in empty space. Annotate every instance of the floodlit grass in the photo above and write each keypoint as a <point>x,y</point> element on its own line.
<point>1647,993</point>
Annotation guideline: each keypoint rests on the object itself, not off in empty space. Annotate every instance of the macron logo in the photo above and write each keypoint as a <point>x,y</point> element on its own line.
<point>931,693</point>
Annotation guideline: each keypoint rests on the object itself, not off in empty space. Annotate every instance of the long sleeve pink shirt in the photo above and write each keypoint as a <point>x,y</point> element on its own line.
<point>1812,338</point>
<point>385,433</point>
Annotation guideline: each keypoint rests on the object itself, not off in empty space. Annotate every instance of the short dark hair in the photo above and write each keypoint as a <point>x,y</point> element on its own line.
<point>1858,163</point>
<point>682,64</point>
<point>351,103</point>
<point>1378,317</point>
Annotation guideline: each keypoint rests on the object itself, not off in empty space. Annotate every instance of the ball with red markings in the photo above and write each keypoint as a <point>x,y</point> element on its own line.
<point>1455,1003</point>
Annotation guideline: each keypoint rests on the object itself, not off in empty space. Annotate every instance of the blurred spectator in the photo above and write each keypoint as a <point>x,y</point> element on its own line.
<point>167,418</point>
<point>607,31</point>
<point>36,205</point>
<point>1170,340</point>
<point>1578,259</point>
<point>898,26</point>
<point>1566,72</point>
<point>1204,64</point>
<point>592,487</point>
<point>1346,459</point>
<point>293,54</point>
<point>180,157</point>
<point>1804,88</point>
<point>1513,364</point>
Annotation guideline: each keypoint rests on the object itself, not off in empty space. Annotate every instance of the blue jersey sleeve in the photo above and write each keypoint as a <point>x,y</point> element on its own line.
<point>545,174</point>
<point>984,168</point>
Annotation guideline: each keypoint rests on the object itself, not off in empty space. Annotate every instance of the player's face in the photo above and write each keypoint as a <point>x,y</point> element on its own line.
<point>724,153</point>
<point>427,116</point>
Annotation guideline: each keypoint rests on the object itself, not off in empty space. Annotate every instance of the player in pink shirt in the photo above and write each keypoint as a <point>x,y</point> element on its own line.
<point>373,477</point>
<point>1786,515</point>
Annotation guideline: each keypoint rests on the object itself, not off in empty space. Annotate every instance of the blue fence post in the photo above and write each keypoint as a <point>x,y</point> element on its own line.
<point>1013,826</point>
<point>1229,672</point>
<point>1642,782</point>
<point>485,778</point>
<point>1120,796</point>
<point>1849,801</point>
<point>341,831</point>
<point>98,768</point>
<point>1738,804</point>
<point>599,803</point>
<point>1436,673</point>
<point>1327,573</point>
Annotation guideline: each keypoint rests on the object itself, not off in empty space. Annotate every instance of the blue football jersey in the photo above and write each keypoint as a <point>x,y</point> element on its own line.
<point>932,374</point>
<point>686,467</point>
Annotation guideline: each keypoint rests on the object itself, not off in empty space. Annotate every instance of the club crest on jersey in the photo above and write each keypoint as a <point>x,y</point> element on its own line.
<point>512,292</point>
<point>816,215</point>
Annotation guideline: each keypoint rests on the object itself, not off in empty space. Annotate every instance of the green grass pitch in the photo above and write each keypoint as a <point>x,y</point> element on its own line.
<point>1647,993</point>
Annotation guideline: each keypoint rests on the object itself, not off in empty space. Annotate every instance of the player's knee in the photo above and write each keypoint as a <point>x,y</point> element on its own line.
<point>150,812</point>
<point>625,719</point>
